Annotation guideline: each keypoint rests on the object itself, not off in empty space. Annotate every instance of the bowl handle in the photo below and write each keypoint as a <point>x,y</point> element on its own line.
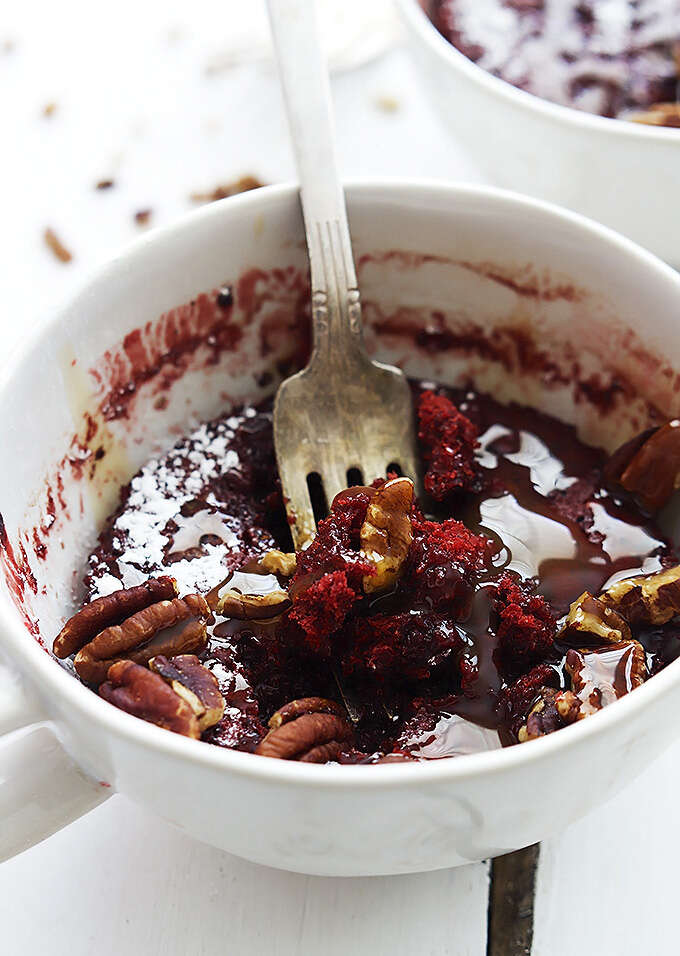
<point>41,788</point>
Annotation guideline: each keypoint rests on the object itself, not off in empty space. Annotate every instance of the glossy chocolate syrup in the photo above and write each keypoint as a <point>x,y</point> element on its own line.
<point>543,506</point>
<point>546,507</point>
<point>552,522</point>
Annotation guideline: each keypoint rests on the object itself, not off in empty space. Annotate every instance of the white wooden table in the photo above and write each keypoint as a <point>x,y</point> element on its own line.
<point>142,96</point>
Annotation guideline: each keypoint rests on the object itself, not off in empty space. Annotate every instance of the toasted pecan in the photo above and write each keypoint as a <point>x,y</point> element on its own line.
<point>552,710</point>
<point>249,596</point>
<point>650,599</point>
<point>592,620</point>
<point>140,692</point>
<point>167,628</point>
<point>658,114</point>
<point>111,609</point>
<point>602,675</point>
<point>195,684</point>
<point>310,730</point>
<point>386,533</point>
<point>279,562</point>
<point>648,466</point>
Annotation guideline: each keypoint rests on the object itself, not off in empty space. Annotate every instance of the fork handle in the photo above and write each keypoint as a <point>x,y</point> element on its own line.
<point>336,306</point>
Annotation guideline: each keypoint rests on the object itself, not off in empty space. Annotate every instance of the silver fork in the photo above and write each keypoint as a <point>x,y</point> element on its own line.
<point>343,411</point>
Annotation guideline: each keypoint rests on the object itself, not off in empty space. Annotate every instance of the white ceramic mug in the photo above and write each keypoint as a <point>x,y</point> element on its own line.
<point>445,272</point>
<point>622,174</point>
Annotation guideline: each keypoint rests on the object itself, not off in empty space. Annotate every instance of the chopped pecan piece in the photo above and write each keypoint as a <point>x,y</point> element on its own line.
<point>195,684</point>
<point>386,533</point>
<point>646,600</point>
<point>601,676</point>
<point>138,691</point>
<point>249,596</point>
<point>552,710</point>
<point>111,609</point>
<point>279,562</point>
<point>168,628</point>
<point>658,114</point>
<point>590,619</point>
<point>648,465</point>
<point>311,730</point>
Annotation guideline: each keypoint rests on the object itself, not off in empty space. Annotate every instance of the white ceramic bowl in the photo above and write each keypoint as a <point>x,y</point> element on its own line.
<point>458,269</point>
<point>625,175</point>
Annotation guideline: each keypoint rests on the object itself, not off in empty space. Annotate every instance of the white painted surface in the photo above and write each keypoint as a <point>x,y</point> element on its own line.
<point>134,103</point>
<point>120,882</point>
<point>607,885</point>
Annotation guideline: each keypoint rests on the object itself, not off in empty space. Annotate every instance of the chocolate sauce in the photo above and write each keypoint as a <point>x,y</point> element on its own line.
<point>212,505</point>
<point>547,509</point>
<point>480,703</point>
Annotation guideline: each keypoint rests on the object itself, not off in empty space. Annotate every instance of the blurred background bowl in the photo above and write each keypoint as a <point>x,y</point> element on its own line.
<point>623,174</point>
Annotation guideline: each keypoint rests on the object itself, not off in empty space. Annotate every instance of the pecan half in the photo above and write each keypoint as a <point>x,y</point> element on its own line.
<point>648,465</point>
<point>386,533</point>
<point>646,600</point>
<point>138,691</point>
<point>110,609</point>
<point>195,684</point>
<point>311,730</point>
<point>168,628</point>
<point>552,710</point>
<point>590,619</point>
<point>601,676</point>
<point>249,596</point>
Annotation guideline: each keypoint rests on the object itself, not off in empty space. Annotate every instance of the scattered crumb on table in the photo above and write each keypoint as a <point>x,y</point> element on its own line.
<point>54,243</point>
<point>388,104</point>
<point>221,191</point>
<point>142,217</point>
<point>49,109</point>
<point>105,184</point>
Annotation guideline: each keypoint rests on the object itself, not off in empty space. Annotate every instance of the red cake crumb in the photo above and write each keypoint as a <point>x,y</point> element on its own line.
<point>407,645</point>
<point>321,609</point>
<point>469,676</point>
<point>336,544</point>
<point>526,626</point>
<point>448,441</point>
<point>445,561</point>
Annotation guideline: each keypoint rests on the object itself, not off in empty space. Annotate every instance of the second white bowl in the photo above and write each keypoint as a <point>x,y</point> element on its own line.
<point>625,175</point>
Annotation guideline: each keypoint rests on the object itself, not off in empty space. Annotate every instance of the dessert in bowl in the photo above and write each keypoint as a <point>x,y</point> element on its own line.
<point>487,295</point>
<point>542,96</point>
<point>528,588</point>
<point>618,59</point>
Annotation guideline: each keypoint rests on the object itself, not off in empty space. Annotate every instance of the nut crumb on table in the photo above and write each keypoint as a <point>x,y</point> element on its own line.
<point>224,190</point>
<point>56,246</point>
